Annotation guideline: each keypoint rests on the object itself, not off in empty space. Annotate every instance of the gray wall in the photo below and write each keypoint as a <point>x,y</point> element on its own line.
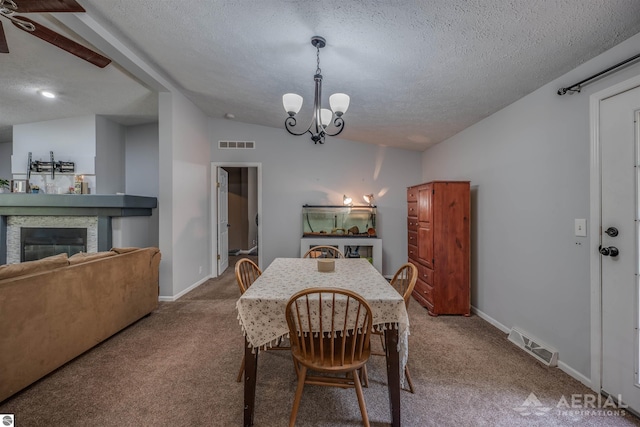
<point>6,149</point>
<point>295,172</point>
<point>184,190</point>
<point>529,170</point>
<point>141,160</point>
<point>141,179</point>
<point>110,152</point>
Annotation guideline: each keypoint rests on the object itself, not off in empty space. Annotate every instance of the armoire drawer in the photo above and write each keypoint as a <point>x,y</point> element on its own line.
<point>425,274</point>
<point>412,209</point>
<point>412,251</point>
<point>412,238</point>
<point>425,291</point>
<point>412,194</point>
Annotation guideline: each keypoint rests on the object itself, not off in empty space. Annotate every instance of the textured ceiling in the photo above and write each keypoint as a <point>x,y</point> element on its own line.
<point>417,72</point>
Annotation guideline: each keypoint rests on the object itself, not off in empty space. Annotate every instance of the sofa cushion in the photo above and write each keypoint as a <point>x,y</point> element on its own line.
<point>81,257</point>
<point>30,267</point>
<point>124,250</point>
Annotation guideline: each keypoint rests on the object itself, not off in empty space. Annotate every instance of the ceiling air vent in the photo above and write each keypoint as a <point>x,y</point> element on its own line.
<point>534,347</point>
<point>236,144</point>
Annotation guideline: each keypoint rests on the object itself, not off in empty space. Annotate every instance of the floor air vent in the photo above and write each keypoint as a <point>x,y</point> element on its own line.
<point>236,144</point>
<point>534,347</point>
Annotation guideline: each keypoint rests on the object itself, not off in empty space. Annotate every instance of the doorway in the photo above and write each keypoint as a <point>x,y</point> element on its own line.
<point>240,235</point>
<point>615,243</point>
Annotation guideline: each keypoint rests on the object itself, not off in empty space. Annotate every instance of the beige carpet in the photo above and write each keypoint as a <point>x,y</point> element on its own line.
<point>178,367</point>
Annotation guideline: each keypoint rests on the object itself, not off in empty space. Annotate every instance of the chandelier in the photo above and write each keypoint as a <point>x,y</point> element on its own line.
<point>322,117</point>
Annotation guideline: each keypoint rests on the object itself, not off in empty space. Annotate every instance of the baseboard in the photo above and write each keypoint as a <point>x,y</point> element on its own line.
<point>186,291</point>
<point>561,365</point>
<point>575,374</point>
<point>491,320</point>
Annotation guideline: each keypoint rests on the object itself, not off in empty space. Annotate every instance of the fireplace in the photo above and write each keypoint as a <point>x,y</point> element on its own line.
<point>37,243</point>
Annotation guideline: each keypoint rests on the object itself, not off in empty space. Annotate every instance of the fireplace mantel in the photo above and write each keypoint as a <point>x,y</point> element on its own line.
<point>102,206</point>
<point>76,204</point>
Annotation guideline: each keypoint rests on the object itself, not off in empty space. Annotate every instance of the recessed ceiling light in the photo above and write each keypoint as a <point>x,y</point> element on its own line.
<point>47,94</point>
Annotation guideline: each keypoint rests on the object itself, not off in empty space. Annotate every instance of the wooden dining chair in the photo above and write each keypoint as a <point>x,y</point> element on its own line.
<point>247,272</point>
<point>403,281</point>
<point>323,251</point>
<point>330,331</point>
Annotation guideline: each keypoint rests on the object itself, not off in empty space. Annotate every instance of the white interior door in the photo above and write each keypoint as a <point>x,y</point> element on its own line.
<point>620,210</point>
<point>223,220</point>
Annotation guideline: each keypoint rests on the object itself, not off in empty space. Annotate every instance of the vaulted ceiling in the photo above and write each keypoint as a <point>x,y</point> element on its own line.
<point>417,71</point>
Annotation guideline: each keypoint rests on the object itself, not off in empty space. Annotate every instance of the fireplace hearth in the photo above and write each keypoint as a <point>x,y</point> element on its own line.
<point>37,243</point>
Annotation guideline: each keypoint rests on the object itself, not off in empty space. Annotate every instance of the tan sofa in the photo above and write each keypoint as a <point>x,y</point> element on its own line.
<point>55,309</point>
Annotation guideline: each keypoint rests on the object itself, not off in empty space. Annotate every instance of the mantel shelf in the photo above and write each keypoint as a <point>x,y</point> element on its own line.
<point>112,205</point>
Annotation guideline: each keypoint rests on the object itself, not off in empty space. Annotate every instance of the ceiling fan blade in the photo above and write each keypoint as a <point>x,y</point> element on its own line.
<point>48,6</point>
<point>4,47</point>
<point>64,43</point>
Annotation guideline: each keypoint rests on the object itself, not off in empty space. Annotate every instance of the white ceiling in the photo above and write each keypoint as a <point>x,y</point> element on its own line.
<point>417,72</point>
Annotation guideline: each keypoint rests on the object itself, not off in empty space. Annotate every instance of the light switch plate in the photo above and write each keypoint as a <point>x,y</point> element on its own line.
<point>581,227</point>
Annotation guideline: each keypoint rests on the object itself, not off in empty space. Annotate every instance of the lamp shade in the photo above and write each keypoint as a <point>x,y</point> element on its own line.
<point>292,103</point>
<point>339,103</point>
<point>325,116</point>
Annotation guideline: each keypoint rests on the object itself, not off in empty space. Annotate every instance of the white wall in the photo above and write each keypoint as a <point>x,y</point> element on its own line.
<point>183,195</point>
<point>72,139</point>
<point>295,172</point>
<point>529,170</point>
<point>79,139</point>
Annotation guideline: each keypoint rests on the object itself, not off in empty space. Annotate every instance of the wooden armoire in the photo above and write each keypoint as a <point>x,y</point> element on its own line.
<point>438,227</point>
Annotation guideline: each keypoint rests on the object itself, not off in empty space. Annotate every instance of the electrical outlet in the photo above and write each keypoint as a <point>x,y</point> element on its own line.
<point>200,271</point>
<point>580,227</point>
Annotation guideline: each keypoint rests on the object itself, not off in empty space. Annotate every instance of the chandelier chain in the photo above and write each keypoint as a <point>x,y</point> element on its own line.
<point>318,70</point>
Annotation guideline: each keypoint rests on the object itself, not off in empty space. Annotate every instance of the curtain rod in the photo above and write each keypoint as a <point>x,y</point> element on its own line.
<point>576,87</point>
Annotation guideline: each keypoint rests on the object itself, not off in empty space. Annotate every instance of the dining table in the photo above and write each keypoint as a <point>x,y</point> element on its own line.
<point>261,313</point>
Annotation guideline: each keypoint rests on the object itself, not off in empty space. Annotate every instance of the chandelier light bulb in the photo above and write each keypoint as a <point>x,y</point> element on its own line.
<point>339,103</point>
<point>292,103</point>
<point>325,117</point>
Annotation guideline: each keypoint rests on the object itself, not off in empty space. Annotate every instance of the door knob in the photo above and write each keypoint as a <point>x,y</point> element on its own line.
<point>612,232</point>
<point>611,251</point>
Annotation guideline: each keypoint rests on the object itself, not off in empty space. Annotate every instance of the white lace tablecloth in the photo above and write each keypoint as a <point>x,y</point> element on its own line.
<point>261,309</point>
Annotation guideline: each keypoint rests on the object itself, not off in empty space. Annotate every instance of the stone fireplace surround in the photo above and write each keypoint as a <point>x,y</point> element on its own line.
<point>93,212</point>
<point>15,223</point>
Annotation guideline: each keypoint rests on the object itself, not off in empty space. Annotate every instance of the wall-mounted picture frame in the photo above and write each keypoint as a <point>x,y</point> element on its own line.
<point>19,185</point>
